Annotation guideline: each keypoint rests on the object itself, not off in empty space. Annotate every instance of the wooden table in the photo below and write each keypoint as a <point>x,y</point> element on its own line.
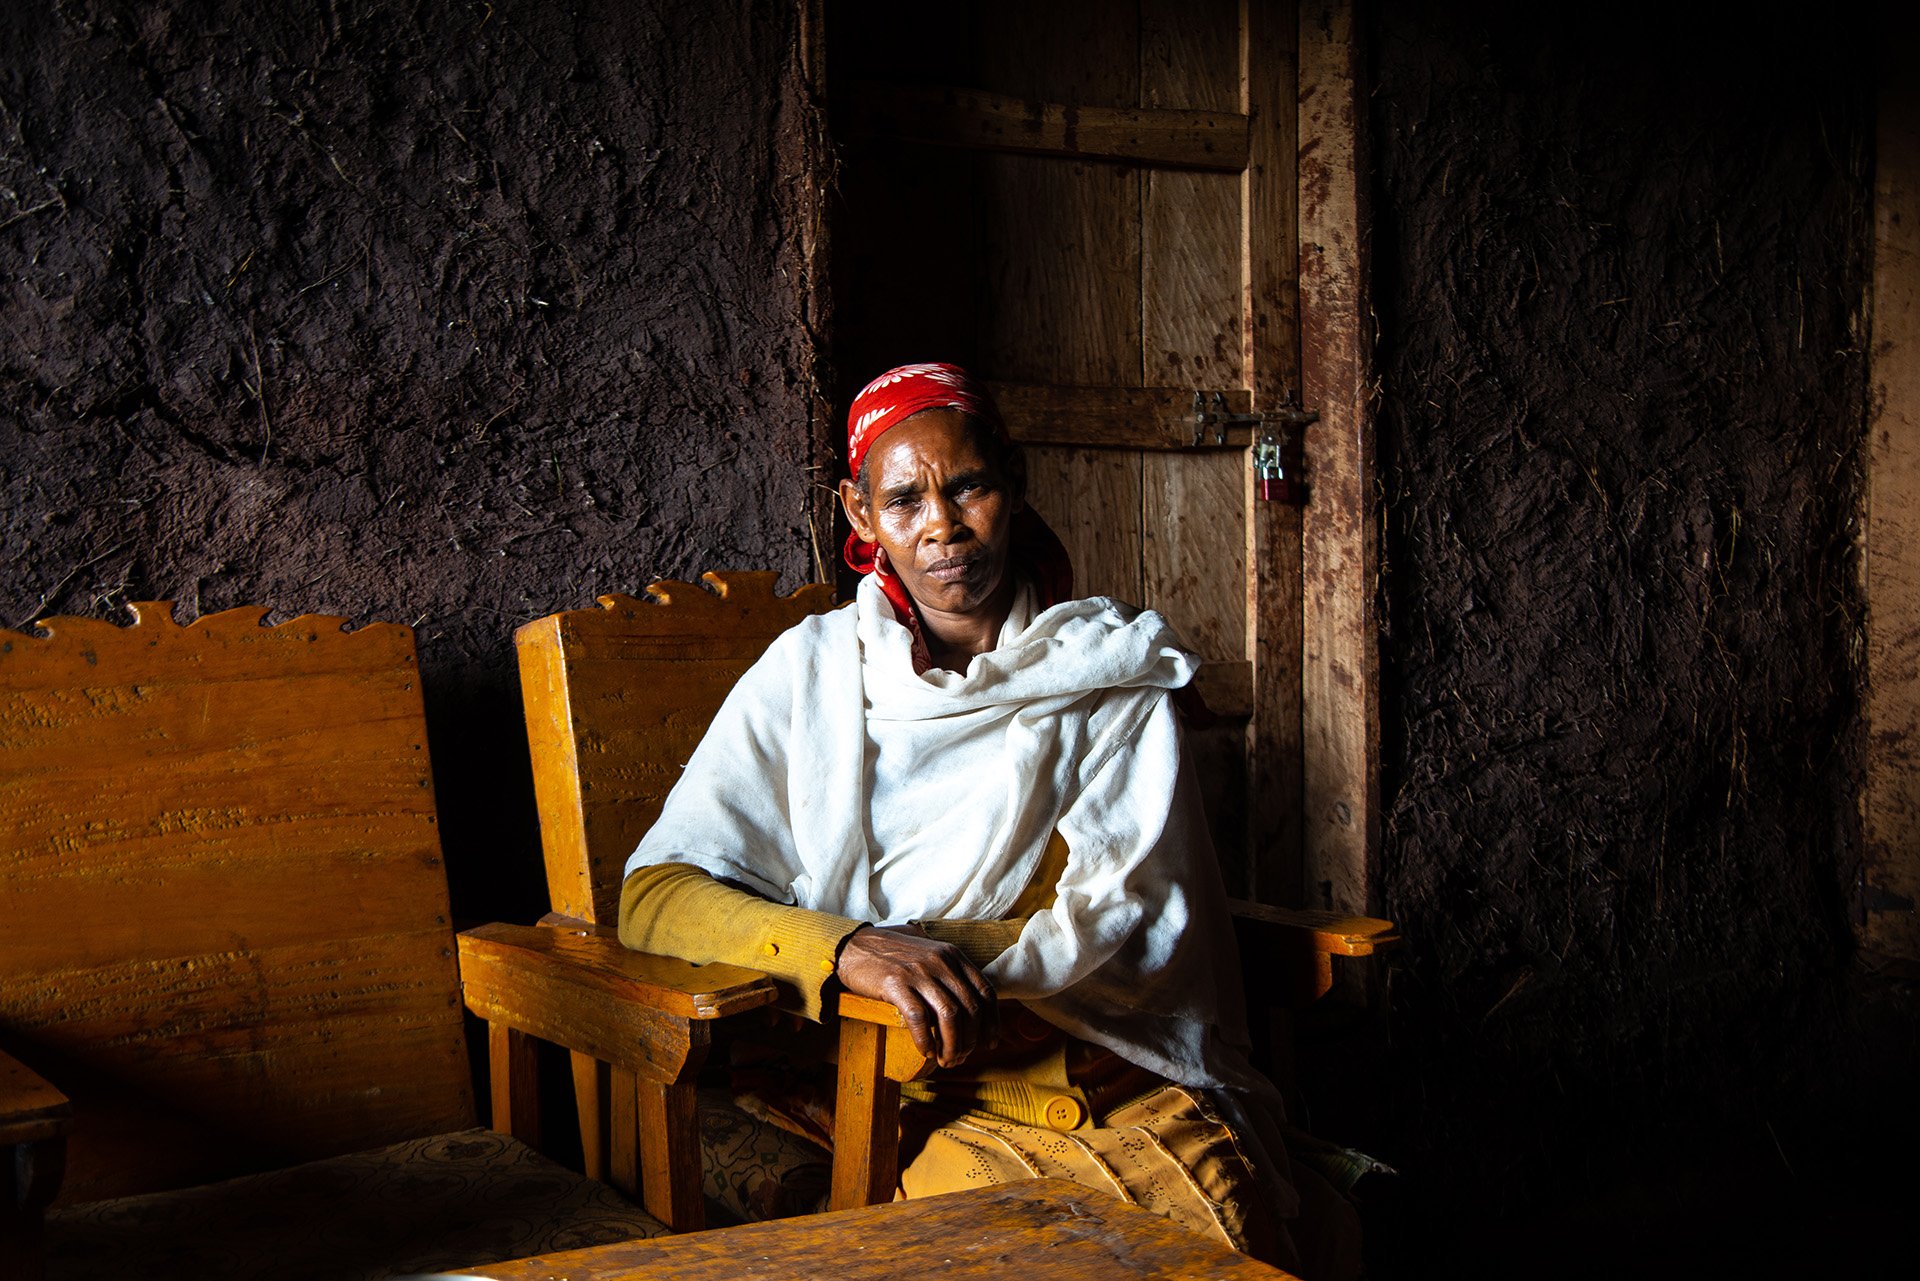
<point>1036,1228</point>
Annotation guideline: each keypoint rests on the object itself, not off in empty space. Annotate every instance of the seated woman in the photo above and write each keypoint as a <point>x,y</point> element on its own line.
<point>972,784</point>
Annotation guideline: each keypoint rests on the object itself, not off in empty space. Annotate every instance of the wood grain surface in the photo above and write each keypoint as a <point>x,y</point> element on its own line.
<point>866,1120</point>
<point>950,116</point>
<point>594,959</point>
<point>1091,498</point>
<point>1892,801</point>
<point>226,913</point>
<point>1193,553</point>
<point>1014,1231</point>
<point>1157,418</point>
<point>1340,556</point>
<point>609,731</point>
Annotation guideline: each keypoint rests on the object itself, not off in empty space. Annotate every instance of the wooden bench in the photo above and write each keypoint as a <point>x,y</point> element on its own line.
<point>227,942</point>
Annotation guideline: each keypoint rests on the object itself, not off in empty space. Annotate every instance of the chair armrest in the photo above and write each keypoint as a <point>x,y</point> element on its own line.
<point>31,1110</point>
<point>1330,932</point>
<point>1290,953</point>
<point>578,986</point>
<point>34,1120</point>
<point>903,1061</point>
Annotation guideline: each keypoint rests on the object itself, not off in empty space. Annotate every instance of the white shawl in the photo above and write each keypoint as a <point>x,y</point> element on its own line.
<point>837,779</point>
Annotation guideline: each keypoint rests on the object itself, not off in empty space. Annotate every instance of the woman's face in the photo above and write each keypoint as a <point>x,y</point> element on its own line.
<point>939,509</point>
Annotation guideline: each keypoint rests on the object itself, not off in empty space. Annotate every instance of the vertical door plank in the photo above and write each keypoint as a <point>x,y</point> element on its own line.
<point>1190,54</point>
<point>1190,222</point>
<point>1079,52</point>
<point>1062,247</point>
<point>1190,313</point>
<point>1194,548</point>
<point>1268,94</point>
<point>1268,41</point>
<point>1061,240</point>
<point>1091,498</point>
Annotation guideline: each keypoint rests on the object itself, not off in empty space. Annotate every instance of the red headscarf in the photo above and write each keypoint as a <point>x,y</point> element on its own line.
<point>891,399</point>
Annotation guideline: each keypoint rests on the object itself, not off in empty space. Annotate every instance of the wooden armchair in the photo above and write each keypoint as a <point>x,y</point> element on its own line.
<point>616,700</point>
<point>226,939</point>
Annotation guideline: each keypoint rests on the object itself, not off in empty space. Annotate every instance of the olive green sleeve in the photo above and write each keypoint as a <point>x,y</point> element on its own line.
<point>673,909</point>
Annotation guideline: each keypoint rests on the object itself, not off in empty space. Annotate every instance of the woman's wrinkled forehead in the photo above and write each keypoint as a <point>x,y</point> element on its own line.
<point>904,391</point>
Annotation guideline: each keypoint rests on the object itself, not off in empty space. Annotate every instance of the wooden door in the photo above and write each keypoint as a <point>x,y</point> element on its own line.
<point>1091,204</point>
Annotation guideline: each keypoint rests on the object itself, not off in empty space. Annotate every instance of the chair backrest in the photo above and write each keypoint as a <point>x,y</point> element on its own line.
<point>225,925</point>
<point>617,698</point>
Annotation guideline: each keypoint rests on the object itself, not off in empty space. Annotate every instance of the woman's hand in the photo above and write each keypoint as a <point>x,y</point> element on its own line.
<point>945,1001</point>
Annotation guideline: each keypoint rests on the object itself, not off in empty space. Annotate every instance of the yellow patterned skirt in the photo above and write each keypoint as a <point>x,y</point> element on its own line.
<point>1166,1152</point>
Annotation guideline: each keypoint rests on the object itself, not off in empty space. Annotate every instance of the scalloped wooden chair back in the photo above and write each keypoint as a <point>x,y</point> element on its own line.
<point>224,908</point>
<point>616,700</point>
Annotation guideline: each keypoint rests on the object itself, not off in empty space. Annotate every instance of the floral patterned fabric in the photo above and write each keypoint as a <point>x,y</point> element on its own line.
<point>435,1204</point>
<point>753,1169</point>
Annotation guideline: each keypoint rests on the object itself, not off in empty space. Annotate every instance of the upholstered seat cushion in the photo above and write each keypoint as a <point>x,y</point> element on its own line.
<point>752,1169</point>
<point>434,1204</point>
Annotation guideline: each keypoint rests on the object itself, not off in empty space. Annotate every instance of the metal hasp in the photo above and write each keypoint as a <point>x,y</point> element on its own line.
<point>1276,442</point>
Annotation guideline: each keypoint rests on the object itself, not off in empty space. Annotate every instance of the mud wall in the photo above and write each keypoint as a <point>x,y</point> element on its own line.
<point>1619,262</point>
<point>449,313</point>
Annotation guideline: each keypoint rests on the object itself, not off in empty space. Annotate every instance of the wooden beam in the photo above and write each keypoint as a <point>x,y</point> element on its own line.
<point>1117,417</point>
<point>1340,663</point>
<point>1892,794</point>
<point>953,117</point>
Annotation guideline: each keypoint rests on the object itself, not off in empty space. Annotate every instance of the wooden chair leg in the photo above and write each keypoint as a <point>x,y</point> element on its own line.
<point>655,1149</point>
<point>623,1132</point>
<point>513,1080</point>
<point>670,1166</point>
<point>30,1176</point>
<point>866,1123</point>
<point>592,1084</point>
